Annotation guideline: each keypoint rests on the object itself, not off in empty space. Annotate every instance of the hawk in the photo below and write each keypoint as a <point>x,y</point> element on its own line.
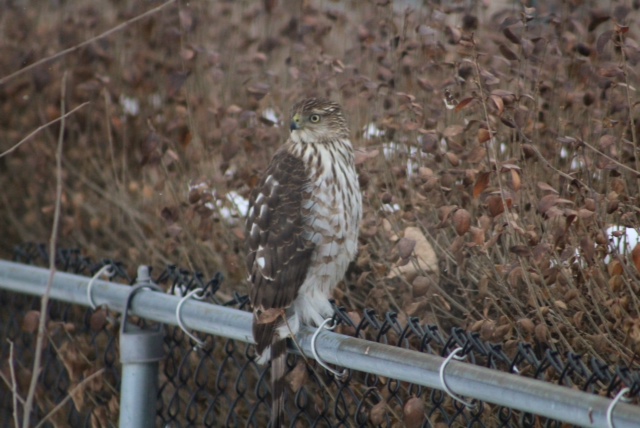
<point>301,233</point>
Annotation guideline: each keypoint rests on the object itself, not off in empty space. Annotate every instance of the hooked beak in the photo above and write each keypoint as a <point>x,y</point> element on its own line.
<point>295,123</point>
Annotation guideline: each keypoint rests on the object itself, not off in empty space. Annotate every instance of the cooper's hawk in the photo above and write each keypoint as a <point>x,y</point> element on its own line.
<point>301,233</point>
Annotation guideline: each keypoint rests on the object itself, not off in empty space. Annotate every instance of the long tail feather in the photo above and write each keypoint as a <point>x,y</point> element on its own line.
<point>278,381</point>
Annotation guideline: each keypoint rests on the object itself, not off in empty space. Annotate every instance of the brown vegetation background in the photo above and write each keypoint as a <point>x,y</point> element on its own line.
<point>501,144</point>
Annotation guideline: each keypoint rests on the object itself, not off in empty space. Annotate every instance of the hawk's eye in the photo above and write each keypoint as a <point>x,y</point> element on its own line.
<point>314,118</point>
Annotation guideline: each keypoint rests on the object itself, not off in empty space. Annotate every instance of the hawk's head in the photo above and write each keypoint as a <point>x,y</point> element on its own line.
<point>315,120</point>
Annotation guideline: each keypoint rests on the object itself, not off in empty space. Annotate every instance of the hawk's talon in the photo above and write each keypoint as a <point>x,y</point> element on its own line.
<point>324,323</point>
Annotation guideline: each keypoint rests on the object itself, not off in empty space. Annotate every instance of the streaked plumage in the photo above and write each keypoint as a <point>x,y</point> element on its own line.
<point>302,230</point>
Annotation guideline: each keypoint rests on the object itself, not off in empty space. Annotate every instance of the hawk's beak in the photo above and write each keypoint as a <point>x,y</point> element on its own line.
<point>295,122</point>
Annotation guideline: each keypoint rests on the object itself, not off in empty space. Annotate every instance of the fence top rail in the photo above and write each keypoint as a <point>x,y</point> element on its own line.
<point>484,384</point>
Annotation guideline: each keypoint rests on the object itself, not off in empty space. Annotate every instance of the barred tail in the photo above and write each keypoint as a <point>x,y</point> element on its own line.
<point>278,381</point>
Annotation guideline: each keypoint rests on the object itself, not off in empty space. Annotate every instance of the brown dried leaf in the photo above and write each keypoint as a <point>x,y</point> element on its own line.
<point>507,122</point>
<point>495,205</point>
<point>430,143</point>
<point>378,413</point>
<point>499,104</point>
<point>527,325</point>
<point>457,245</point>
<point>511,36</point>
<point>560,305</point>
<point>258,90</point>
<point>508,53</point>
<point>477,235</point>
<point>405,247</point>
<point>546,203</point>
<point>414,413</point>
<point>515,179</point>
<point>444,212</point>
<point>483,135</point>
<point>416,308</point>
<point>420,286</point>
<point>520,250</point>
<point>425,258</point>
<point>98,320</point>
<point>545,187</point>
<point>453,130</point>
<point>175,82</point>
<point>578,318</point>
<point>487,329</point>
<point>597,17</point>
<point>477,154</point>
<point>464,104</point>
<point>528,150</point>
<point>482,182</point>
<point>461,221</point>
<point>635,256</point>
<point>452,158</point>
<point>30,321</point>
<point>515,277</point>
<point>362,156</point>
<point>616,283</point>
<point>542,333</point>
<point>298,376</point>
<point>602,41</point>
<point>502,332</point>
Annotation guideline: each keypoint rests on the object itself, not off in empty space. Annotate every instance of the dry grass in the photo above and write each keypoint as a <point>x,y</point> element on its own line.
<point>514,186</point>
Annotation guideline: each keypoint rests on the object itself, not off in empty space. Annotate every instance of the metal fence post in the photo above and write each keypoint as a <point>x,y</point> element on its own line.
<point>140,353</point>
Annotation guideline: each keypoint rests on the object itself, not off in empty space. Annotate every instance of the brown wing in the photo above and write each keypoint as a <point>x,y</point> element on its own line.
<point>278,256</point>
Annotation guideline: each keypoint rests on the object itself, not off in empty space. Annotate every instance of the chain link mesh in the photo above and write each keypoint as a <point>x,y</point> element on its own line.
<point>219,384</point>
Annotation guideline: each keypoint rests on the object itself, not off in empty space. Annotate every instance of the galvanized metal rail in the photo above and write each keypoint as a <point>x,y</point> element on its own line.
<point>492,386</point>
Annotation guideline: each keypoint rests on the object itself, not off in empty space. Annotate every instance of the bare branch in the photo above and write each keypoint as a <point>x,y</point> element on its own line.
<point>75,389</point>
<point>14,386</point>
<point>86,42</point>
<point>44,302</point>
<point>40,128</point>
<point>609,158</point>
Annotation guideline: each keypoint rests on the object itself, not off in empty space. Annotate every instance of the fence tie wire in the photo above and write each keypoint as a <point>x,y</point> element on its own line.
<point>198,294</point>
<point>314,351</point>
<point>106,270</point>
<point>443,382</point>
<point>620,396</point>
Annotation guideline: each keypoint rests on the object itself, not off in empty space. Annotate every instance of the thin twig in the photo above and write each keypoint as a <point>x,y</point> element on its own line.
<point>630,105</point>
<point>112,152</point>
<point>40,128</point>
<point>44,302</point>
<point>621,165</point>
<point>8,381</point>
<point>14,385</point>
<point>61,404</point>
<point>86,42</point>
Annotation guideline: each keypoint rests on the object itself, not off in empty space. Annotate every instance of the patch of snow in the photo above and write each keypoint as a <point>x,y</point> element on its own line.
<point>564,153</point>
<point>271,115</point>
<point>623,239</point>
<point>371,131</point>
<point>231,207</point>
<point>130,106</point>
<point>413,154</point>
<point>241,204</point>
<point>390,208</point>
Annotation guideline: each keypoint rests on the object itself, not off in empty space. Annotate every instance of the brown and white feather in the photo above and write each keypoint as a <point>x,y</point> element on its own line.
<point>302,230</point>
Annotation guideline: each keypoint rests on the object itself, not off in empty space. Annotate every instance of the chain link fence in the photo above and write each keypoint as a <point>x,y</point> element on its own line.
<point>219,384</point>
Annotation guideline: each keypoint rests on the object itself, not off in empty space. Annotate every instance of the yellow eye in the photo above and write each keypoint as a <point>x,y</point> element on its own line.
<point>314,118</point>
